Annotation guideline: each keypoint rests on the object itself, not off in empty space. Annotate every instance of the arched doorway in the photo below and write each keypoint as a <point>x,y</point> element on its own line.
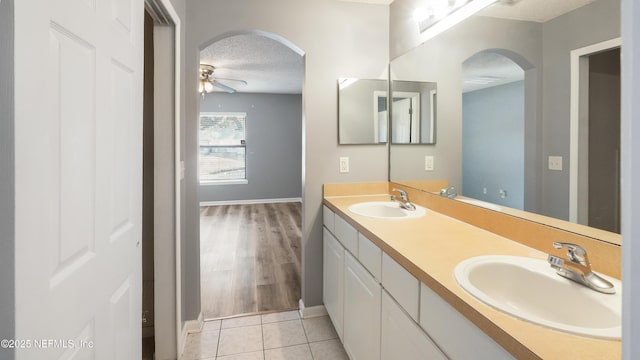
<point>494,161</point>
<point>250,168</point>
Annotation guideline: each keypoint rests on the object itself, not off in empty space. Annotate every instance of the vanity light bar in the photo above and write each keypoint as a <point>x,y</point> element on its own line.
<point>432,22</point>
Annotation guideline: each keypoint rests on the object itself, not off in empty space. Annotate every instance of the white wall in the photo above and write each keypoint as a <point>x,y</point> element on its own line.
<point>630,177</point>
<point>338,39</point>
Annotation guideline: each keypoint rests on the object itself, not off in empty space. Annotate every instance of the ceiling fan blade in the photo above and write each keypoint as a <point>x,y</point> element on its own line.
<point>224,87</point>
<point>241,81</point>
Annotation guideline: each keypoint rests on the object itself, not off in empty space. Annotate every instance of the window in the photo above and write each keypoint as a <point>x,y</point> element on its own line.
<point>223,148</point>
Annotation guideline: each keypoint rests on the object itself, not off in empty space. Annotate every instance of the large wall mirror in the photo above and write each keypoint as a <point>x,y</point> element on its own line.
<point>362,111</point>
<point>528,111</point>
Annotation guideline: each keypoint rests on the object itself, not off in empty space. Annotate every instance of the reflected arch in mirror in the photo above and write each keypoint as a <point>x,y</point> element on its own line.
<point>500,129</point>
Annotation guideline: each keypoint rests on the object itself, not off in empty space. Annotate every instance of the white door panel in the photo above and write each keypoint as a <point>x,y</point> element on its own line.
<point>78,177</point>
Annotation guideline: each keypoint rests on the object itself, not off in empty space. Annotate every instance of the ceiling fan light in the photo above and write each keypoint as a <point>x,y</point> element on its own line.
<point>208,86</point>
<point>201,86</point>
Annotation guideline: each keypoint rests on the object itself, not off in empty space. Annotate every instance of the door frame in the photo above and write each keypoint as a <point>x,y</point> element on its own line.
<point>167,34</point>
<point>578,119</point>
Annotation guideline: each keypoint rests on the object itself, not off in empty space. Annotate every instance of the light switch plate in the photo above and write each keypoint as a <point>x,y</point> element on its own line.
<point>555,163</point>
<point>344,165</point>
<point>428,163</point>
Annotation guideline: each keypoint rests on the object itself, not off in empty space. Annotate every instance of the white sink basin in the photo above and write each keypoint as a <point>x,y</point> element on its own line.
<point>386,210</point>
<point>530,290</point>
<point>480,203</point>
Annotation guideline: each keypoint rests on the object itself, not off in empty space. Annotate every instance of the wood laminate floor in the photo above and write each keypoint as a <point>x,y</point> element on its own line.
<point>250,258</point>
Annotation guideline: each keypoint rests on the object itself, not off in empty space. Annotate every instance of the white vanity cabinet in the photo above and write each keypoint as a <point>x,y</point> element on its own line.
<point>446,326</point>
<point>382,312</point>
<point>333,279</point>
<point>401,337</point>
<point>361,311</point>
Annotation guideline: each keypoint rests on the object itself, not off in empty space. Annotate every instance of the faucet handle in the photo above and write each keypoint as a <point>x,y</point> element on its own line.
<point>403,194</point>
<point>575,252</point>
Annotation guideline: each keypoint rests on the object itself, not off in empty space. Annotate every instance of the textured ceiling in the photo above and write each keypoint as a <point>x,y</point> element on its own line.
<point>268,66</point>
<point>265,64</point>
<point>487,69</point>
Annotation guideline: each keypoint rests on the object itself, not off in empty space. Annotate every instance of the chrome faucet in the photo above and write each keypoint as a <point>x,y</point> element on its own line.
<point>449,192</point>
<point>405,203</point>
<point>578,268</point>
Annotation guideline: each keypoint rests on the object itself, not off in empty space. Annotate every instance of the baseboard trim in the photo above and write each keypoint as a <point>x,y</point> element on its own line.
<point>311,311</point>
<point>189,327</point>
<point>250,202</point>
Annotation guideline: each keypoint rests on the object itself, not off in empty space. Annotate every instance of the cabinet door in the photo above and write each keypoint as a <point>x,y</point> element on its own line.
<point>361,312</point>
<point>402,338</point>
<point>333,279</point>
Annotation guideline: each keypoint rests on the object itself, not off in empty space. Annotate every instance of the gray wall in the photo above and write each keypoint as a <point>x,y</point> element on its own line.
<point>597,22</point>
<point>338,39</point>
<point>7,198</point>
<point>274,146</point>
<point>493,144</point>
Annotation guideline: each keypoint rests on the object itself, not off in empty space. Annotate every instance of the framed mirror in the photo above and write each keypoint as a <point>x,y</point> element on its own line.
<point>362,111</point>
<point>413,112</point>
<point>559,53</point>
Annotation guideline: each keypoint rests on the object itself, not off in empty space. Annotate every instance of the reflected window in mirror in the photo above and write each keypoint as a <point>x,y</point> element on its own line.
<point>413,112</point>
<point>362,111</point>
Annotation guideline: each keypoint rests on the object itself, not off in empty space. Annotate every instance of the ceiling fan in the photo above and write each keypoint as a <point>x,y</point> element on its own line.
<point>208,81</point>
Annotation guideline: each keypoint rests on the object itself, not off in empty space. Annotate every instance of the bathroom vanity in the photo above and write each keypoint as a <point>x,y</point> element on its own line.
<point>390,290</point>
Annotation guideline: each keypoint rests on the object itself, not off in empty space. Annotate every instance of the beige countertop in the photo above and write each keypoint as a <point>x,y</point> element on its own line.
<point>430,247</point>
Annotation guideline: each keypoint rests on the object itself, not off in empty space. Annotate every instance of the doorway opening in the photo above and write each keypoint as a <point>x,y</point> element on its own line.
<point>493,129</point>
<point>595,136</point>
<point>250,174</point>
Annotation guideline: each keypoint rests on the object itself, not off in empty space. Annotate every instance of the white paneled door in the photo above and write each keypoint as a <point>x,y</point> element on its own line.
<point>78,135</point>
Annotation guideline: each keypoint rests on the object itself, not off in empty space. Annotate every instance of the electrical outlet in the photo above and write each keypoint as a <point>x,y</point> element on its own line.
<point>344,165</point>
<point>428,163</point>
<point>555,163</point>
<point>503,193</point>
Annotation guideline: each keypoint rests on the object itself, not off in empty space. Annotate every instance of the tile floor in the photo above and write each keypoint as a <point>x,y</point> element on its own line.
<point>276,336</point>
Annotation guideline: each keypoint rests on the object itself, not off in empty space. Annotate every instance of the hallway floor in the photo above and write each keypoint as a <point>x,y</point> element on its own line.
<point>275,336</point>
<point>250,258</point>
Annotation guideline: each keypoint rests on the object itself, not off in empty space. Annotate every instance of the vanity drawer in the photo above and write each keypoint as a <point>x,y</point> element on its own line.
<point>403,286</point>
<point>447,327</point>
<point>328,218</point>
<point>370,256</point>
<point>347,235</point>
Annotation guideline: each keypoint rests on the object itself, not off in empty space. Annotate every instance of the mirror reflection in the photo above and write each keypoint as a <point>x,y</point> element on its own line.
<point>493,129</point>
<point>519,91</point>
<point>362,111</point>
<point>413,112</point>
